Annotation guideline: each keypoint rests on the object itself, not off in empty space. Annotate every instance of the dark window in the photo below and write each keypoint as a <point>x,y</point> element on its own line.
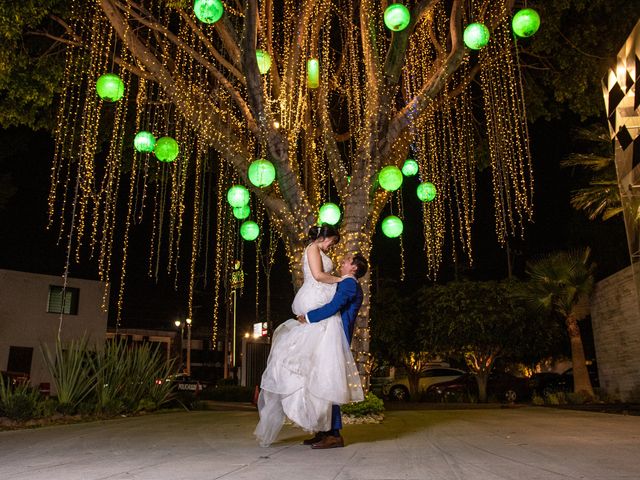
<point>20,360</point>
<point>58,304</point>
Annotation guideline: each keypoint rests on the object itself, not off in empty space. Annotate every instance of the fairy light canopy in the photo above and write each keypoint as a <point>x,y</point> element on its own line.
<point>195,76</point>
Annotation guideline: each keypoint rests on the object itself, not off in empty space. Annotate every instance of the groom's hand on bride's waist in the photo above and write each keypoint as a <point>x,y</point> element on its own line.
<point>301,319</point>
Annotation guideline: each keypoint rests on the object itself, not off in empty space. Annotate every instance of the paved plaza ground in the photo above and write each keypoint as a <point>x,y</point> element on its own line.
<point>482,444</point>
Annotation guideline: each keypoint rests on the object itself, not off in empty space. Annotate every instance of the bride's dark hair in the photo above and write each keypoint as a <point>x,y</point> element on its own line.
<point>322,231</point>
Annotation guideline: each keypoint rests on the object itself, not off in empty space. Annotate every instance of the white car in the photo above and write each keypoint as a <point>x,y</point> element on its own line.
<point>398,388</point>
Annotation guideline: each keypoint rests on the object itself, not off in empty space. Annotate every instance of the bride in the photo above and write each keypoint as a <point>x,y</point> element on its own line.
<point>309,364</point>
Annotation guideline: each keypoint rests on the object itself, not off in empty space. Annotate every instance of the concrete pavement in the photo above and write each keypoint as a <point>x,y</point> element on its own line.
<point>516,444</point>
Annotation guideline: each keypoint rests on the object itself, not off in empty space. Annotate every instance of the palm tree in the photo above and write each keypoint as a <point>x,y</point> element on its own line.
<point>561,283</point>
<point>601,198</point>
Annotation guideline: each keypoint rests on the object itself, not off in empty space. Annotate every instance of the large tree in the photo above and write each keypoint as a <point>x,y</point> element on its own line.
<point>381,97</point>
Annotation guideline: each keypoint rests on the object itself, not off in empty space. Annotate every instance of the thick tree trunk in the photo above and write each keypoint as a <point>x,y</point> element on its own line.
<point>414,385</point>
<point>581,381</point>
<point>482,379</point>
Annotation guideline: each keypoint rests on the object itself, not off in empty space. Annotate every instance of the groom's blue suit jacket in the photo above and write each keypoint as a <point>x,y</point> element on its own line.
<point>347,301</point>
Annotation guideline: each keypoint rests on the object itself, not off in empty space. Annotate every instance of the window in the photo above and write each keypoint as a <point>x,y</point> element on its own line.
<point>68,305</point>
<point>442,372</point>
<point>20,360</point>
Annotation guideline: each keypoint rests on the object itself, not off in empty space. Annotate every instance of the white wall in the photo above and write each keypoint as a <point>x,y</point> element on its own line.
<point>24,321</point>
<point>615,317</point>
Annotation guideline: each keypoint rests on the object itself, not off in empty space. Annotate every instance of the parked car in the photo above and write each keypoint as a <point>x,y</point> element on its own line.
<point>504,386</point>
<point>184,383</point>
<point>544,383</point>
<point>398,388</point>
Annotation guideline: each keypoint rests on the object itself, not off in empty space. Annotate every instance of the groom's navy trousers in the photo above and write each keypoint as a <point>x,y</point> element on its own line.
<point>347,301</point>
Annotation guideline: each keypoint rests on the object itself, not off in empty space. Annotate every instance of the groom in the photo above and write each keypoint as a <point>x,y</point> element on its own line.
<point>347,301</point>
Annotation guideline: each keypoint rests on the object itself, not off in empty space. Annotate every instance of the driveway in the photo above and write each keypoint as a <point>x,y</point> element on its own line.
<point>517,444</point>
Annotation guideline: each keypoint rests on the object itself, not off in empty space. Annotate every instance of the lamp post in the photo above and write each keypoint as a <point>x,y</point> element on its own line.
<point>188,320</point>
<point>180,325</point>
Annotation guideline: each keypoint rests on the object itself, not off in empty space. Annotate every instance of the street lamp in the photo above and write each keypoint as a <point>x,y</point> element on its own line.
<point>188,320</point>
<point>180,325</point>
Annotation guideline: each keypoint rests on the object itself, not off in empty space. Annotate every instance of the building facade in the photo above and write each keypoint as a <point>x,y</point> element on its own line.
<point>34,307</point>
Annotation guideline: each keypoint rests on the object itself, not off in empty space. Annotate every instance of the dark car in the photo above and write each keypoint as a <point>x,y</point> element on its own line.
<point>545,383</point>
<point>183,383</point>
<point>504,386</point>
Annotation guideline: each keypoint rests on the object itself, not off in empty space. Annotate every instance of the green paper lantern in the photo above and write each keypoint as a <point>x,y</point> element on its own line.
<point>208,11</point>
<point>329,213</point>
<point>397,17</point>
<point>166,149</point>
<point>262,173</point>
<point>241,212</point>
<point>264,61</point>
<point>476,36</point>
<point>410,167</point>
<point>392,226</point>
<point>390,178</point>
<point>238,196</point>
<point>110,87</point>
<point>144,142</point>
<point>249,230</point>
<point>526,22</point>
<point>426,191</point>
<point>313,73</point>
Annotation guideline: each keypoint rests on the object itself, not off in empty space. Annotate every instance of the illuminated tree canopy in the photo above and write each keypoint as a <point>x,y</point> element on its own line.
<point>374,99</point>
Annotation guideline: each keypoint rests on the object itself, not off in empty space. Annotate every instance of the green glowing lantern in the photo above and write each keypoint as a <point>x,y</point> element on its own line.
<point>410,167</point>
<point>262,173</point>
<point>392,226</point>
<point>166,149</point>
<point>313,73</point>
<point>526,22</point>
<point>264,61</point>
<point>208,11</point>
<point>476,36</point>
<point>397,17</point>
<point>241,212</point>
<point>329,213</point>
<point>426,191</point>
<point>110,87</point>
<point>249,230</point>
<point>390,178</point>
<point>238,196</point>
<point>144,141</point>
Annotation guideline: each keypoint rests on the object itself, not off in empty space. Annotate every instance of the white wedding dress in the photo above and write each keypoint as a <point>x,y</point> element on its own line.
<point>310,366</point>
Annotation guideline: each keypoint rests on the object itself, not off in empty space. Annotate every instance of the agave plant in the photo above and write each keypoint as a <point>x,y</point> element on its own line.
<point>19,402</point>
<point>72,370</point>
<point>110,366</point>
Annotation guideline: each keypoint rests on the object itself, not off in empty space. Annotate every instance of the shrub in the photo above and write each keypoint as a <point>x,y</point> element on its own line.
<point>371,405</point>
<point>556,398</point>
<point>578,398</point>
<point>19,402</point>
<point>537,400</point>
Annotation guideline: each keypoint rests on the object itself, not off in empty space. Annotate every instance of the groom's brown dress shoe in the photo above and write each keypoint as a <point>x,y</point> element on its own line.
<point>317,438</point>
<point>329,442</point>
